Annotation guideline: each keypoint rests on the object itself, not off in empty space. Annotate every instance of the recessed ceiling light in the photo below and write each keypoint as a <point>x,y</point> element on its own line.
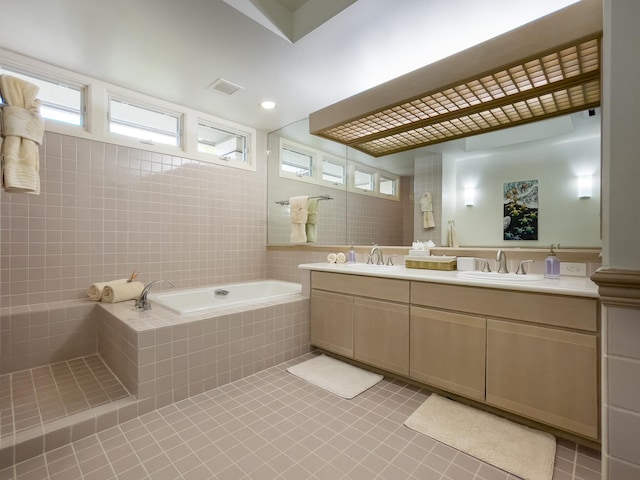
<point>268,105</point>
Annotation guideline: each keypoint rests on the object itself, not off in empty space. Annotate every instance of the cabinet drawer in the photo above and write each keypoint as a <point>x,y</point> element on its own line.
<point>373,287</point>
<point>545,374</point>
<point>381,332</point>
<point>331,322</point>
<point>571,312</point>
<point>448,351</point>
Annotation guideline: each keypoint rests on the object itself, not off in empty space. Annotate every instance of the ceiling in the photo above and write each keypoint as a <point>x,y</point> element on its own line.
<point>175,50</point>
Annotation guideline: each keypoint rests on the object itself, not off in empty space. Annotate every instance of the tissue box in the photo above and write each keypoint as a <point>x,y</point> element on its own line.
<point>419,253</point>
<point>446,263</point>
<point>466,263</point>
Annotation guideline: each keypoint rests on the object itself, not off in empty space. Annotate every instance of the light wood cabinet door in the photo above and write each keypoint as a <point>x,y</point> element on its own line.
<point>332,322</point>
<point>381,332</point>
<point>543,373</point>
<point>448,351</point>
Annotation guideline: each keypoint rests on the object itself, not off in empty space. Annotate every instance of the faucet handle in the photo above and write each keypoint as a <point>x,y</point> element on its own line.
<point>369,259</point>
<point>390,259</point>
<point>520,270</point>
<point>485,266</point>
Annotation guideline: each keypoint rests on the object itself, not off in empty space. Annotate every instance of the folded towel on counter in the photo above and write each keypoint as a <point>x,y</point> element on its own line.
<point>121,292</point>
<point>96,290</point>
<point>311,228</point>
<point>22,132</point>
<point>341,258</point>
<point>298,214</point>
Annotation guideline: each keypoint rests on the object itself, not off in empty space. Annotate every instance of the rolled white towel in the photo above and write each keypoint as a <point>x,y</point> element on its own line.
<point>341,258</point>
<point>96,289</point>
<point>121,292</point>
<point>331,258</point>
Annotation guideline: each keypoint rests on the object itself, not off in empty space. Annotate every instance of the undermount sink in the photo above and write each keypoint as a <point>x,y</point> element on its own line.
<point>501,277</point>
<point>368,267</point>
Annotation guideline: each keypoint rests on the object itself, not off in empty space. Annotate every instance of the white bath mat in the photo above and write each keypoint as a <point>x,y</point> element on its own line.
<point>335,376</point>
<point>519,450</point>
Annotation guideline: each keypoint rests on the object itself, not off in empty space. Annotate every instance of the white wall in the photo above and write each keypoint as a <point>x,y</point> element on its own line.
<point>563,217</point>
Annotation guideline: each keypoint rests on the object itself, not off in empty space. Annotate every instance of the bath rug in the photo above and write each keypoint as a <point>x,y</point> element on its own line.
<point>335,376</point>
<point>516,449</point>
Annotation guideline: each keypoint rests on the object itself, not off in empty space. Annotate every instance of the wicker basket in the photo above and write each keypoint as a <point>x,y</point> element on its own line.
<point>444,263</point>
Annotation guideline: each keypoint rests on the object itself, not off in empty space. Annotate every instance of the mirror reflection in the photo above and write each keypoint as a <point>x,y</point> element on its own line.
<point>415,195</point>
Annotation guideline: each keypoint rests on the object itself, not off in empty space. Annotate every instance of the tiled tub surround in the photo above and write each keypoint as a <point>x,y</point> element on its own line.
<point>162,357</point>
<point>273,425</point>
<point>106,210</point>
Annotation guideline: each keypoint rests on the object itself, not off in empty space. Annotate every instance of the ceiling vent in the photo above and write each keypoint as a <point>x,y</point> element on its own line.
<point>224,86</point>
<point>546,68</point>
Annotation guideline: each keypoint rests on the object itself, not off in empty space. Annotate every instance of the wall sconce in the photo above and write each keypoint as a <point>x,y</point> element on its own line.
<point>469,194</point>
<point>584,186</point>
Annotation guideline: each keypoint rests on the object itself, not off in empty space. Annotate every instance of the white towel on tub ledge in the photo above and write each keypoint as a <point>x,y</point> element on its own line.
<point>298,214</point>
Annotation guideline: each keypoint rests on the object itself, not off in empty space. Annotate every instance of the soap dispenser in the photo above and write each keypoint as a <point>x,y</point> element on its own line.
<point>351,255</point>
<point>552,265</point>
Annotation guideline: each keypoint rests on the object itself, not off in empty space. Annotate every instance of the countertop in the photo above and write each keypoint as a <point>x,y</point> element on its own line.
<point>565,285</point>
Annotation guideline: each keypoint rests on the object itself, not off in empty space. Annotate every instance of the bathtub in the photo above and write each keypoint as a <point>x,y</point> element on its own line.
<point>203,299</point>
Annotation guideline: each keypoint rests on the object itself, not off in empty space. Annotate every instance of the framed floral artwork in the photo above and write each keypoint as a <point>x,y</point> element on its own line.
<point>520,210</point>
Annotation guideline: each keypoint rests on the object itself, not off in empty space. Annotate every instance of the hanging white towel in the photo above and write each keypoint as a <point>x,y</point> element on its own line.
<point>311,228</point>
<point>22,132</point>
<point>298,214</point>
<point>452,235</point>
<point>426,207</point>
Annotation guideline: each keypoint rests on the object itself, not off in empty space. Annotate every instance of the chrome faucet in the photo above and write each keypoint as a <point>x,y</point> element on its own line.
<point>378,255</point>
<point>501,258</point>
<point>142,303</point>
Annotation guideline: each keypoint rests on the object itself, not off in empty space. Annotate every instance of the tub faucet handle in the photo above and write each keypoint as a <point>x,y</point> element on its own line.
<point>142,303</point>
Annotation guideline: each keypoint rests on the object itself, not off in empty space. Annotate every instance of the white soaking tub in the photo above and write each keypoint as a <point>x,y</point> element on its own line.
<point>203,299</point>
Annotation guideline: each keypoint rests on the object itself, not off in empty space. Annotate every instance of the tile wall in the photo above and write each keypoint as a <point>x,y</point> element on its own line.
<point>105,211</point>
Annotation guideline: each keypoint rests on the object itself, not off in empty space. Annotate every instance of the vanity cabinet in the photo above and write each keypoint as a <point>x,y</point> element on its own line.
<point>543,373</point>
<point>381,334</point>
<point>364,318</point>
<point>529,353</point>
<point>448,351</point>
<point>331,322</point>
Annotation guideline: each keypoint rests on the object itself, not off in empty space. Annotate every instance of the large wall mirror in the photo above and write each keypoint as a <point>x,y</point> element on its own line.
<point>557,159</point>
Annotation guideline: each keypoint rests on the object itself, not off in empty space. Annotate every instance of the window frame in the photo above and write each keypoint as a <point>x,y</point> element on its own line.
<point>95,95</point>
<point>45,76</point>
<point>151,108</point>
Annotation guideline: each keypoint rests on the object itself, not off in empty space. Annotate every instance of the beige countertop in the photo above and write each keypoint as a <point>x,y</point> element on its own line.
<point>565,285</point>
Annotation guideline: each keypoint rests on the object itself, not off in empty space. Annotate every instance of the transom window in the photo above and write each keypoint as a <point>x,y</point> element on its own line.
<point>146,124</point>
<point>222,142</point>
<point>61,102</point>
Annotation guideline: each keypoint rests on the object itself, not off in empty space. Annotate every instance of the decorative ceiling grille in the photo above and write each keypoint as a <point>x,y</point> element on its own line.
<point>551,84</point>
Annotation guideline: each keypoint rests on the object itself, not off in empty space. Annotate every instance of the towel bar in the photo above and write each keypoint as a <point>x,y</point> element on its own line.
<point>319,197</point>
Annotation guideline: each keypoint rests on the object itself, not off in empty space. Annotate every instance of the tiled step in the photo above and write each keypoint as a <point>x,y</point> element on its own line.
<point>45,407</point>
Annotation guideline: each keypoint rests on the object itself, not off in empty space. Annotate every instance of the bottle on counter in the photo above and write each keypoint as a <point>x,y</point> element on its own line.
<point>351,255</point>
<point>552,264</point>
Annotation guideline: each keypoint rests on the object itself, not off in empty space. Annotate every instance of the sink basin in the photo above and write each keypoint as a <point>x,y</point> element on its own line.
<point>364,267</point>
<point>501,277</point>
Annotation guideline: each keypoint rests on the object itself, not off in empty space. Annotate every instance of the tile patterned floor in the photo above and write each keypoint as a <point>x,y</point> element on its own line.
<point>34,397</point>
<point>273,425</point>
